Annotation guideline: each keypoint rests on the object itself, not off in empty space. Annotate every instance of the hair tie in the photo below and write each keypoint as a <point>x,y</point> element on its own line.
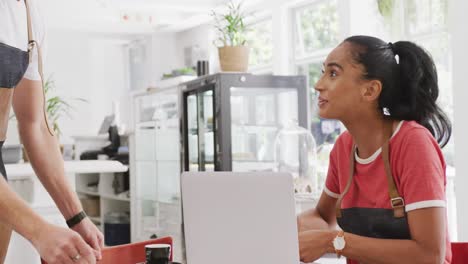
<point>390,45</point>
<point>397,58</point>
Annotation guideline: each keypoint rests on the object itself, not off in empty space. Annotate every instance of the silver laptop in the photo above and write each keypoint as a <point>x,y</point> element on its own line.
<point>234,218</point>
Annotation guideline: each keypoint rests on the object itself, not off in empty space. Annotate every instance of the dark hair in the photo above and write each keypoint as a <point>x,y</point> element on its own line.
<point>409,82</point>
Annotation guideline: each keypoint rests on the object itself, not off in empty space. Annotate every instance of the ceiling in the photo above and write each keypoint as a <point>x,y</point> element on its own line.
<point>130,16</point>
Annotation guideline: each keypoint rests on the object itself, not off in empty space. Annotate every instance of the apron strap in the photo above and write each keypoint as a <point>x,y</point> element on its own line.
<point>348,184</point>
<point>31,44</point>
<point>397,202</point>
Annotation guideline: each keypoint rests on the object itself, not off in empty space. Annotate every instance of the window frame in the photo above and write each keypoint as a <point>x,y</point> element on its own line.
<point>295,23</point>
<point>258,18</point>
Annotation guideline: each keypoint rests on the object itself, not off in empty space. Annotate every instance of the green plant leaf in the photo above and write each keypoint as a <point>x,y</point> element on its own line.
<point>57,106</point>
<point>230,25</point>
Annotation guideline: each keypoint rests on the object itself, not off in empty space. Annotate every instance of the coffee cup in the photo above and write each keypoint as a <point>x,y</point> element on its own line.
<point>158,253</point>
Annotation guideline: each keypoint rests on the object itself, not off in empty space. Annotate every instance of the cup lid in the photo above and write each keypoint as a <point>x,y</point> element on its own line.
<point>158,246</point>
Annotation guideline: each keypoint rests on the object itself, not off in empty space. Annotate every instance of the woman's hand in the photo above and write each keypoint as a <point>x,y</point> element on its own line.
<point>57,245</point>
<point>91,235</point>
<point>315,243</point>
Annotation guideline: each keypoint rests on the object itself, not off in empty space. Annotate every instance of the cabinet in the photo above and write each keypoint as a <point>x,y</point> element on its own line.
<point>102,193</point>
<point>155,164</point>
<point>230,120</point>
<point>97,192</point>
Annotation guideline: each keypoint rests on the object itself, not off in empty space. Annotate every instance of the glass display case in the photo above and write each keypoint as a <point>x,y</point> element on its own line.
<point>156,165</point>
<point>230,120</point>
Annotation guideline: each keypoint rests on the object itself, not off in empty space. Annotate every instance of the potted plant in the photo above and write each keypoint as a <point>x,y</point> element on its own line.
<point>233,52</point>
<point>56,106</point>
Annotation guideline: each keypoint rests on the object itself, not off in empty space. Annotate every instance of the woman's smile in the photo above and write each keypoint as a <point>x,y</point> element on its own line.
<point>322,102</point>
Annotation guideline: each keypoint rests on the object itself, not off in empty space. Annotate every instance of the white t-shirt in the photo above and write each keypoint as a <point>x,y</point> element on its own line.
<point>14,29</point>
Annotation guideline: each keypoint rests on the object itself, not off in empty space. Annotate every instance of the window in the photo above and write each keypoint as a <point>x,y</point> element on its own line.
<point>425,16</point>
<point>315,34</point>
<point>316,27</point>
<point>260,41</point>
<point>425,23</point>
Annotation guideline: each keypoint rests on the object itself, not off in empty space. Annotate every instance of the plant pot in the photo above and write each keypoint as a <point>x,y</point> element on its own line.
<point>234,58</point>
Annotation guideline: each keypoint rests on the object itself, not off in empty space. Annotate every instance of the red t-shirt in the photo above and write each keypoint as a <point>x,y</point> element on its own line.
<point>417,165</point>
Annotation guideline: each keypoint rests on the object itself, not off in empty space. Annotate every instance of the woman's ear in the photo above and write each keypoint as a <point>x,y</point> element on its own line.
<point>371,90</point>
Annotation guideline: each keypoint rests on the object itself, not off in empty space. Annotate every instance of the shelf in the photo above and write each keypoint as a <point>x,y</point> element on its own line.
<point>159,200</point>
<point>107,196</point>
<point>256,125</point>
<point>25,171</point>
<point>256,128</point>
<point>253,161</point>
<point>88,192</point>
<point>95,219</point>
<point>147,198</point>
<point>196,133</point>
<point>115,197</point>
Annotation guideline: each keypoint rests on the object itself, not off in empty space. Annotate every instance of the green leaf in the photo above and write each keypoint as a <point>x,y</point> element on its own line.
<point>230,25</point>
<point>57,106</point>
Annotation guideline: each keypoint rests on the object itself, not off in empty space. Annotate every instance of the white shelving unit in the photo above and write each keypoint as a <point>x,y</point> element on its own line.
<point>101,199</point>
<point>98,187</point>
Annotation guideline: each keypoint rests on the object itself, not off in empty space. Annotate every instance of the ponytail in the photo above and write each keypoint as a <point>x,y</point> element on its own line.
<point>418,81</point>
<point>409,82</point>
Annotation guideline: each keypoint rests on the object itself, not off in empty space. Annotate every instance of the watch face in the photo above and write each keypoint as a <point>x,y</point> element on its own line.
<point>339,243</point>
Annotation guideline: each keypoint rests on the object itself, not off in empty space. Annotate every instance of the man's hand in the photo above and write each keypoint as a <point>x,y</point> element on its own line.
<point>91,235</point>
<point>58,245</point>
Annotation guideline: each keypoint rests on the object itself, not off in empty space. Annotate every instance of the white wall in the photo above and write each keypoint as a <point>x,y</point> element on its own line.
<point>457,16</point>
<point>201,36</point>
<point>168,50</point>
<point>165,55</point>
<point>89,67</point>
<point>282,39</point>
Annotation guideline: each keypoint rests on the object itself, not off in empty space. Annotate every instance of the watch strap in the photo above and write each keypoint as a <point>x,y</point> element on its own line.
<point>76,219</point>
<point>339,252</point>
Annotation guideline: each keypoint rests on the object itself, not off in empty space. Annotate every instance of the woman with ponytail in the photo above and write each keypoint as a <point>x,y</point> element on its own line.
<point>386,180</point>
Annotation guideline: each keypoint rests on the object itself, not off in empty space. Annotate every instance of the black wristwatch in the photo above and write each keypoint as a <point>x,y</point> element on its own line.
<point>76,219</point>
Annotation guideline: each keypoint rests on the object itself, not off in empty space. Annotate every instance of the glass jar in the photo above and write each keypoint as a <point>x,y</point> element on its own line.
<point>295,152</point>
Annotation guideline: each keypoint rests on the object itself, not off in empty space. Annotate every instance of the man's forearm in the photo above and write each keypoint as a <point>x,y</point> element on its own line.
<point>16,213</point>
<point>45,157</point>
